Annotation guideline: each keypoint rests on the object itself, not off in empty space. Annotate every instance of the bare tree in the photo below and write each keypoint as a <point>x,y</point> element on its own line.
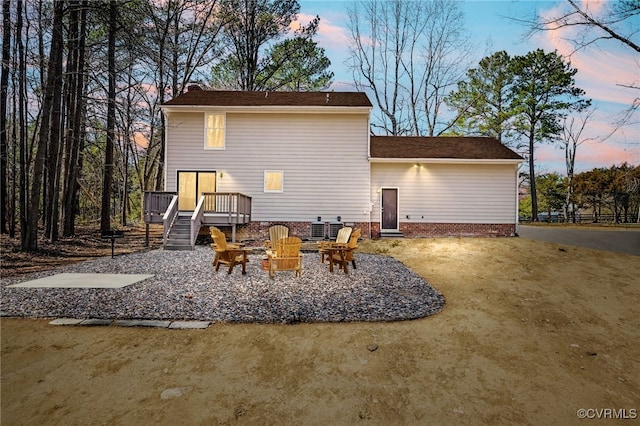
<point>616,23</point>
<point>21,123</point>
<point>53,161</point>
<point>584,27</point>
<point>380,35</point>
<point>571,139</point>
<point>75,105</point>
<point>447,52</point>
<point>107,180</point>
<point>180,39</point>
<point>408,55</point>
<point>30,239</point>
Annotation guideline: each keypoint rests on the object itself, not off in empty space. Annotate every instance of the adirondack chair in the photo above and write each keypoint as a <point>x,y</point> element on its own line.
<point>286,256</point>
<point>348,254</point>
<point>276,232</point>
<point>341,238</point>
<point>213,229</point>
<point>227,254</point>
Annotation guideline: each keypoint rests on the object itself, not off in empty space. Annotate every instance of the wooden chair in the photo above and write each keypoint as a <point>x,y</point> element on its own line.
<point>341,238</point>
<point>213,229</point>
<point>276,232</point>
<point>348,254</point>
<point>227,254</point>
<point>286,256</point>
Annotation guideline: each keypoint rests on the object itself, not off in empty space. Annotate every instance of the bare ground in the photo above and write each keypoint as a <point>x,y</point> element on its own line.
<point>532,333</point>
<point>86,244</point>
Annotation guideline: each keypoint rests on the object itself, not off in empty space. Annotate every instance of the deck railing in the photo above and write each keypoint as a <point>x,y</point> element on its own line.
<point>155,204</point>
<point>235,206</point>
<point>214,208</point>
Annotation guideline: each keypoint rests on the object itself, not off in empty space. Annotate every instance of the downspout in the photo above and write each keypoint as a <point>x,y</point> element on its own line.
<point>517,216</point>
<point>165,137</point>
<point>370,207</point>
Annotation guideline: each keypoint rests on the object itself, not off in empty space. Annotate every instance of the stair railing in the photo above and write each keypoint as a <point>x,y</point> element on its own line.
<point>168,218</point>
<point>196,221</point>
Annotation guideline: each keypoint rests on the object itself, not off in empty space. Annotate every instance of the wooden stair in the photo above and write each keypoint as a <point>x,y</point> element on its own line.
<point>180,234</point>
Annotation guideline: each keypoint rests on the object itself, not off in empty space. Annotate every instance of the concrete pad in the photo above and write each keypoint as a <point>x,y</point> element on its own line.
<point>142,323</point>
<point>189,325</point>
<point>71,280</point>
<point>96,321</point>
<point>66,321</point>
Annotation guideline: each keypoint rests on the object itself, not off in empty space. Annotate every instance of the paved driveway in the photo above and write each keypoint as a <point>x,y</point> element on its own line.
<point>619,240</point>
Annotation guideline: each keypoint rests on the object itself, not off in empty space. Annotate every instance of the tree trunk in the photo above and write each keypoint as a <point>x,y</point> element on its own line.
<point>74,118</point>
<point>13,207</point>
<point>53,161</point>
<point>22,139</point>
<point>4,86</point>
<point>105,218</point>
<point>532,180</point>
<point>30,242</point>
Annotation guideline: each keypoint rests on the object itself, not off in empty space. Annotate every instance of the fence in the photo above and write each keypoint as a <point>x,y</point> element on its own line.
<point>582,218</point>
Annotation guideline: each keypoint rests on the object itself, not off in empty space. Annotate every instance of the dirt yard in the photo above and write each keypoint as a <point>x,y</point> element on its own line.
<point>532,333</point>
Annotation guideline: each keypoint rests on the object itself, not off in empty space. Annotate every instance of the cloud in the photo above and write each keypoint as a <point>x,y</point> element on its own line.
<point>603,68</point>
<point>335,40</point>
<point>593,154</point>
<point>343,86</point>
<point>595,7</point>
<point>599,149</point>
<point>589,155</point>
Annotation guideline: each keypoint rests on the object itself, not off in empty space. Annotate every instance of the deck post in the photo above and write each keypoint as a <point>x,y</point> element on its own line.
<point>233,233</point>
<point>146,235</point>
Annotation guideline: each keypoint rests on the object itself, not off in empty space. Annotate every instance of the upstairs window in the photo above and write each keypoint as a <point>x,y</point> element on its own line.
<point>214,131</point>
<point>273,181</point>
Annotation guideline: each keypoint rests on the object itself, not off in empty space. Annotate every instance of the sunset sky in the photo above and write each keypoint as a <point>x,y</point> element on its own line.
<point>602,68</point>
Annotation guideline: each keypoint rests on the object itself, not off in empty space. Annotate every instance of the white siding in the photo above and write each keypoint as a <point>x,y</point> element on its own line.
<point>323,157</point>
<point>448,193</point>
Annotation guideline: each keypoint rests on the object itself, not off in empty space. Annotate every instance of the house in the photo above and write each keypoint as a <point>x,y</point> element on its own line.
<point>443,186</point>
<point>247,160</point>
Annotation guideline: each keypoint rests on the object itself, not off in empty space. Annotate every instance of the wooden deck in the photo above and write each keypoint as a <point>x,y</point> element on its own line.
<point>212,209</point>
<point>219,208</point>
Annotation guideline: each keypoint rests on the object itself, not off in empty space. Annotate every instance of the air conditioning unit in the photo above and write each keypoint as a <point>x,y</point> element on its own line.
<point>317,230</point>
<point>334,227</point>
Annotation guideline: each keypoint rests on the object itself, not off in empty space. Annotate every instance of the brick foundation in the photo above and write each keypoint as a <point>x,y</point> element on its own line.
<point>259,231</point>
<point>457,230</point>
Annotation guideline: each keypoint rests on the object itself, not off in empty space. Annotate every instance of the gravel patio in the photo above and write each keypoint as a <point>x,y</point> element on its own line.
<point>186,287</point>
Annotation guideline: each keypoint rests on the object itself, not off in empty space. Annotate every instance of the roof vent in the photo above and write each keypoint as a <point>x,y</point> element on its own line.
<point>193,88</point>
<point>327,101</point>
<point>266,94</point>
